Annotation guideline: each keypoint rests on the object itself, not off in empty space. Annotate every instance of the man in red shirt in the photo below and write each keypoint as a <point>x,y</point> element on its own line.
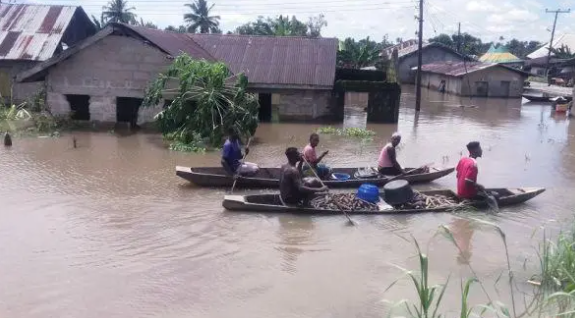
<point>467,186</point>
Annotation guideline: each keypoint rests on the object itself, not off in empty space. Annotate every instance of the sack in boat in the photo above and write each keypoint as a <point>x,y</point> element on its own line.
<point>248,169</point>
<point>312,182</point>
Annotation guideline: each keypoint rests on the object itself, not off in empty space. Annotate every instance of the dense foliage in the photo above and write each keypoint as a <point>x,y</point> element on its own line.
<point>205,103</point>
<point>284,26</point>
<point>118,11</point>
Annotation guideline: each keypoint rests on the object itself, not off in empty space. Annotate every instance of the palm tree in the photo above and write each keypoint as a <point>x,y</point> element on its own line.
<point>200,18</point>
<point>117,11</point>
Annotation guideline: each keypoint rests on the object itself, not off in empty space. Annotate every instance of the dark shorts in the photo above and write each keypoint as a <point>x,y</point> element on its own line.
<point>389,171</point>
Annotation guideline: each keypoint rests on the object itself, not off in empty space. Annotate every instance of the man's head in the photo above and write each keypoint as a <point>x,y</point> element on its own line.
<point>232,134</point>
<point>293,155</point>
<point>475,150</point>
<point>395,139</point>
<point>314,140</point>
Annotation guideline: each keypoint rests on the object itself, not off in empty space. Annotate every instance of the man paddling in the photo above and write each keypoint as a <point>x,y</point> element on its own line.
<point>387,162</point>
<point>311,157</point>
<point>293,191</point>
<point>232,154</point>
<point>467,186</point>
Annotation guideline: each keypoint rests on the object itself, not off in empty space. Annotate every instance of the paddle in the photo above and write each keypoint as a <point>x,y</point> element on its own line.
<point>350,221</point>
<point>241,161</point>
<point>409,172</point>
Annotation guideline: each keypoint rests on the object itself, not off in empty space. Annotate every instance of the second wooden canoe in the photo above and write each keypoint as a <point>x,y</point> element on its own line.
<point>268,178</point>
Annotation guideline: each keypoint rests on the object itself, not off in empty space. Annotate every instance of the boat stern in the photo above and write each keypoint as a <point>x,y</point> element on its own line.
<point>234,202</point>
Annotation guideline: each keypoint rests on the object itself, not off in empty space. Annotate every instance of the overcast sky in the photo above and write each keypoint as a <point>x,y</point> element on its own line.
<point>489,19</point>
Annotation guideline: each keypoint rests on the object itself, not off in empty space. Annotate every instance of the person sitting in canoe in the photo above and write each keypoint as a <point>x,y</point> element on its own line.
<point>232,154</point>
<point>311,157</point>
<point>387,163</point>
<point>293,190</point>
<point>467,186</point>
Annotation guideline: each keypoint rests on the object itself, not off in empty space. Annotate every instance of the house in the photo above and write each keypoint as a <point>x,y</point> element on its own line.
<point>501,55</point>
<point>104,77</point>
<point>407,57</point>
<point>564,40</point>
<point>474,79</point>
<point>31,34</point>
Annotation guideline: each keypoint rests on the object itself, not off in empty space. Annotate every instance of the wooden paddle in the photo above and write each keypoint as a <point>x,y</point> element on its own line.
<point>350,221</point>
<point>241,161</point>
<point>408,172</point>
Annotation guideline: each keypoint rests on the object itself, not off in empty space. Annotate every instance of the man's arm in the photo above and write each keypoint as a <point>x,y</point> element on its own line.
<point>471,177</point>
<point>392,156</point>
<point>320,158</point>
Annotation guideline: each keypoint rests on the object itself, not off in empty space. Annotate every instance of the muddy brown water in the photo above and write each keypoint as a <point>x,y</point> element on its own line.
<point>108,230</point>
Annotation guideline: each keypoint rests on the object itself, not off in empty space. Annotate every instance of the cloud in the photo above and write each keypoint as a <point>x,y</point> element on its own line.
<point>480,6</point>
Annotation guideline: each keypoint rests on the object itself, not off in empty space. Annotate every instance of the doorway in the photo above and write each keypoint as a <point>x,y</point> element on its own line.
<point>127,110</point>
<point>265,112</point>
<point>79,106</point>
<point>481,89</point>
<point>505,87</point>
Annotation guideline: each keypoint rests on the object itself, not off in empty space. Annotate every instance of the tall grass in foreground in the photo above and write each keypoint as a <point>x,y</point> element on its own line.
<point>555,297</point>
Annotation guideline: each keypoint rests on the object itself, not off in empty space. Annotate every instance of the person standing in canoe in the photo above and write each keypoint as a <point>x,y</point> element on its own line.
<point>293,191</point>
<point>467,186</point>
<point>232,156</point>
<point>311,157</point>
<point>387,163</point>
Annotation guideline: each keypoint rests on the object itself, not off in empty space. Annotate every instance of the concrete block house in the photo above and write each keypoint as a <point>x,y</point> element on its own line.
<point>104,77</point>
<point>407,57</point>
<point>474,79</point>
<point>31,34</point>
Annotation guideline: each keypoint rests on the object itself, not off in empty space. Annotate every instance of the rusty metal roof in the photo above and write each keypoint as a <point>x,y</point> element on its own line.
<point>33,32</point>
<point>460,69</point>
<point>271,61</point>
<point>172,42</point>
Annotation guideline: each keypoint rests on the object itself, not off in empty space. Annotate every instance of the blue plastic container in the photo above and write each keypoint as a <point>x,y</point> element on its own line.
<point>341,176</point>
<point>368,192</point>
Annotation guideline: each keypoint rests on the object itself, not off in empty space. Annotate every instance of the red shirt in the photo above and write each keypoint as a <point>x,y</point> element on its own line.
<point>466,170</point>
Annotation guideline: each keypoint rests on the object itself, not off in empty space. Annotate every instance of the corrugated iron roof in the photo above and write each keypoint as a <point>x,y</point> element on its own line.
<point>567,40</point>
<point>499,55</point>
<point>172,42</point>
<point>459,69</point>
<point>267,60</point>
<point>32,32</point>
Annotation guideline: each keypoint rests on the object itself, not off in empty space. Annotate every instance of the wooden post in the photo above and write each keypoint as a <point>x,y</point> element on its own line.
<point>419,59</point>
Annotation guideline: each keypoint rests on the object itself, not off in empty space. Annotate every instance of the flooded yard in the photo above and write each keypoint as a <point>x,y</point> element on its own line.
<point>108,230</point>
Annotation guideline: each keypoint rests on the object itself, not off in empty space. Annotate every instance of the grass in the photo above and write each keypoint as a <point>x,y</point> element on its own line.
<point>346,132</point>
<point>554,298</point>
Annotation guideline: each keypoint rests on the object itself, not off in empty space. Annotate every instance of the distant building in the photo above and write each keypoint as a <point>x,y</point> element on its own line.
<point>407,57</point>
<point>567,40</point>
<point>104,78</point>
<point>31,34</point>
<point>538,66</point>
<point>474,79</point>
<point>501,55</point>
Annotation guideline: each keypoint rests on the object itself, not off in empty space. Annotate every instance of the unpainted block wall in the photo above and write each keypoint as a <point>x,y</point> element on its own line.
<point>304,104</point>
<point>115,66</point>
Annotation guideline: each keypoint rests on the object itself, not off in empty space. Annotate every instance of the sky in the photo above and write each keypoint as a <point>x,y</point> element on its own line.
<point>488,19</point>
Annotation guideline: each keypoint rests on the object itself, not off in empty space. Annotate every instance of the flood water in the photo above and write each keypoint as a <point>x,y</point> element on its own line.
<point>108,230</point>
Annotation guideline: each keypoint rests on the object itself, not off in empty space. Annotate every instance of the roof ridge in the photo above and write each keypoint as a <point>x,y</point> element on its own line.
<point>263,36</point>
<point>39,5</point>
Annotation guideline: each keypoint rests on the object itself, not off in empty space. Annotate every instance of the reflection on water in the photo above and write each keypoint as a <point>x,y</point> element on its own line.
<point>108,230</point>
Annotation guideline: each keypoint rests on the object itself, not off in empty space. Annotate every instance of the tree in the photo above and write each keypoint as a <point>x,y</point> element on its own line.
<point>315,24</point>
<point>117,11</point>
<point>200,18</point>
<point>283,26</point>
<point>468,44</point>
<point>358,54</point>
<point>205,104</point>
<point>563,52</point>
<point>99,23</point>
<point>522,48</point>
<point>147,24</point>
<point>179,29</point>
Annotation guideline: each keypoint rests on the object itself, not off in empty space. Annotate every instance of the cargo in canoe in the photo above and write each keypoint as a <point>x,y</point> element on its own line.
<point>268,178</point>
<point>271,203</point>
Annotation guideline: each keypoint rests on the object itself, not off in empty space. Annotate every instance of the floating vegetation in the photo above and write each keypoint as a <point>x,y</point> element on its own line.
<point>346,132</point>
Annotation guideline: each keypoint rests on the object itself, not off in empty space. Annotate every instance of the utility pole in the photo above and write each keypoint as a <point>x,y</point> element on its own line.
<point>459,37</point>
<point>553,35</point>
<point>419,59</point>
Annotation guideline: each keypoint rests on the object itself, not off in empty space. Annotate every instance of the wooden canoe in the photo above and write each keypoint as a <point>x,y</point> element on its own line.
<point>535,98</point>
<point>268,178</point>
<point>270,203</point>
